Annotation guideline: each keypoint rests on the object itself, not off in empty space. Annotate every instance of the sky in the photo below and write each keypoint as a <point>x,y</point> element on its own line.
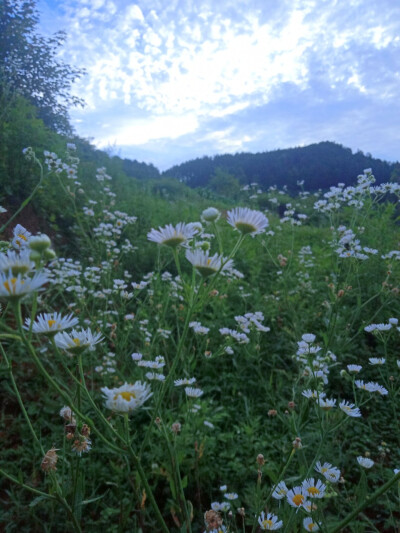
<point>171,80</point>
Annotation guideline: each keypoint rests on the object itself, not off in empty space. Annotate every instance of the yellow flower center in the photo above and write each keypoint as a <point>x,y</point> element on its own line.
<point>174,241</point>
<point>245,227</point>
<point>313,490</point>
<point>298,499</point>
<point>310,526</point>
<point>10,285</point>
<point>267,523</point>
<point>51,323</point>
<point>7,284</point>
<point>21,236</point>
<point>323,470</point>
<point>77,342</point>
<point>127,396</point>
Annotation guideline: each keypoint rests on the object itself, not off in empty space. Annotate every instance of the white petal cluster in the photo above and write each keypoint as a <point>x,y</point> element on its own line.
<point>207,265</point>
<point>247,221</point>
<point>51,323</point>
<point>172,235</point>
<point>126,398</point>
<point>77,341</point>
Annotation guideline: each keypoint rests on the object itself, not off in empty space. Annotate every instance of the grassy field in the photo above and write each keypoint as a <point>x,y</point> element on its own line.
<point>185,369</point>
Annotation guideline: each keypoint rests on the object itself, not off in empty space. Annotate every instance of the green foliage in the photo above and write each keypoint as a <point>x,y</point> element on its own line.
<point>29,65</point>
<point>224,184</point>
<point>302,275</point>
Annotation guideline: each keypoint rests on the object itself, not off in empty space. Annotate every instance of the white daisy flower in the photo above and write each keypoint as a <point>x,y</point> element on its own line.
<point>21,237</point>
<point>308,393</point>
<point>15,287</point>
<point>308,338</point>
<point>296,497</point>
<point>184,381</point>
<point>247,221</point>
<point>280,491</point>
<point>172,236</point>
<point>310,525</point>
<point>231,496</point>
<point>326,404</point>
<point>350,409</point>
<point>77,341</point>
<point>17,263</point>
<point>206,264</point>
<point>51,323</point>
<point>155,376</point>
<point>126,398</point>
<point>225,506</point>
<point>312,489</point>
<point>354,369</point>
<point>365,462</point>
<point>331,473</point>
<point>192,392</point>
<point>269,522</point>
<point>377,360</point>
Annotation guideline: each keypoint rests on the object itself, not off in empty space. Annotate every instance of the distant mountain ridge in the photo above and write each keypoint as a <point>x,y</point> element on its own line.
<point>320,165</point>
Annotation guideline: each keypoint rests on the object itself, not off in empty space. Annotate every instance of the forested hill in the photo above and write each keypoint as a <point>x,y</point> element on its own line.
<point>319,165</point>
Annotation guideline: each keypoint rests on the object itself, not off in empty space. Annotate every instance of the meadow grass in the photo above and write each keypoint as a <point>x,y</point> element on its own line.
<point>249,381</point>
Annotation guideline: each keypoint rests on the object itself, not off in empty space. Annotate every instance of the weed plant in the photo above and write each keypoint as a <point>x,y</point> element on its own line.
<point>248,381</point>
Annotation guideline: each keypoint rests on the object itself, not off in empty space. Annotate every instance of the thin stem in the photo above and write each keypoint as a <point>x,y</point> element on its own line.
<point>18,395</point>
<point>369,500</point>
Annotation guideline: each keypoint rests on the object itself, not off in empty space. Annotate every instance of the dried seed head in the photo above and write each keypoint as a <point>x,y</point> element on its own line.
<point>80,445</point>
<point>49,460</point>
<point>212,520</point>
<point>85,430</point>
<point>260,459</point>
<point>70,429</point>
<point>67,414</point>
<point>176,427</point>
<point>297,443</point>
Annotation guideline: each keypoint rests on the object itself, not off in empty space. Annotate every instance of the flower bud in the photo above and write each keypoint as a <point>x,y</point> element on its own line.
<point>211,214</point>
<point>39,243</point>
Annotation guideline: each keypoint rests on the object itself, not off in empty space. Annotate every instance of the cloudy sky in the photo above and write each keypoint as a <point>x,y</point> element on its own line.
<point>171,80</point>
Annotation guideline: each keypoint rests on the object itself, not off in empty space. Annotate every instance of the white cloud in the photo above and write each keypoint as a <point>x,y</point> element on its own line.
<point>141,131</point>
<point>176,65</point>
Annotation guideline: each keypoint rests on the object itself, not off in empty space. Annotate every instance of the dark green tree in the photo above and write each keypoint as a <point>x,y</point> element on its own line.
<point>29,65</point>
<point>224,184</point>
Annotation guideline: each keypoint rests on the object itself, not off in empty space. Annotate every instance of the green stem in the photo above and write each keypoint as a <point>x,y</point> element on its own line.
<point>27,487</point>
<point>21,403</point>
<point>367,502</point>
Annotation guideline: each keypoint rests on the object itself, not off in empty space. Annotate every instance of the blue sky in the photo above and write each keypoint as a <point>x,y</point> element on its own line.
<point>171,80</point>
